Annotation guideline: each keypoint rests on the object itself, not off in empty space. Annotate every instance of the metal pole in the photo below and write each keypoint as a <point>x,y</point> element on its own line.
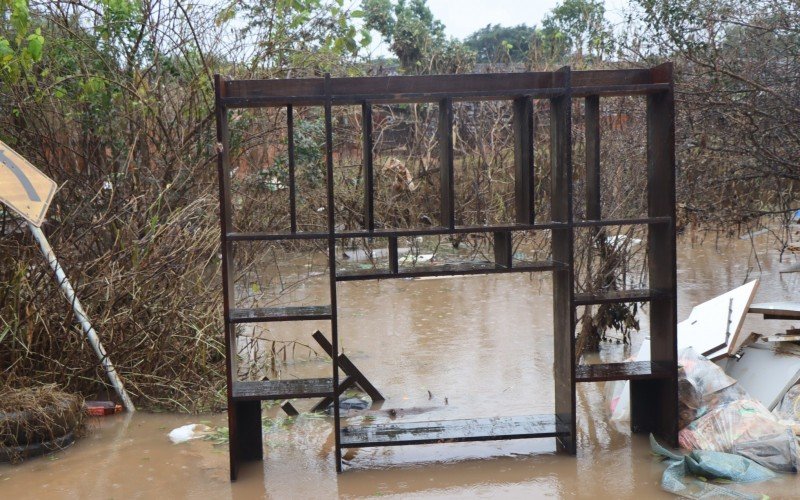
<point>91,334</point>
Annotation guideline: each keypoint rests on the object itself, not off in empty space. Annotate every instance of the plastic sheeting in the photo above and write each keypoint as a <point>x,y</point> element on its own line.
<point>746,428</point>
<point>718,415</point>
<point>789,409</point>
<point>703,386</point>
<point>688,476</point>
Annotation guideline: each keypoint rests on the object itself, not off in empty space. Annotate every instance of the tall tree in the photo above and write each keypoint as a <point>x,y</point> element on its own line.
<point>416,37</point>
<point>495,43</point>
<point>579,26</point>
<point>739,66</point>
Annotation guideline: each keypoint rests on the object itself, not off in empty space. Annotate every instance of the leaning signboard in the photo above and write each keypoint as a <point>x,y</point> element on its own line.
<point>24,188</point>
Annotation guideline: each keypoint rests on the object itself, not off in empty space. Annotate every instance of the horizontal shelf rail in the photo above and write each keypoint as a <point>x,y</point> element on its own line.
<point>620,90</point>
<point>622,222</point>
<point>448,270</point>
<point>389,233</point>
<point>452,431</point>
<point>618,296</point>
<point>291,313</point>
<point>634,370</point>
<point>264,390</point>
<point>266,236</point>
<point>396,89</point>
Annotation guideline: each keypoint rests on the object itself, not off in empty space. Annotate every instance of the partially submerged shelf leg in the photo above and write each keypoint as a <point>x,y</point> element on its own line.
<point>244,433</point>
<point>503,251</point>
<point>562,251</point>
<point>393,257</point>
<point>651,408</point>
<point>660,396</point>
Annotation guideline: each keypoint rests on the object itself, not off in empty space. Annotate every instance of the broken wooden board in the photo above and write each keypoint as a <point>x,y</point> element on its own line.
<point>777,310</point>
<point>712,327</point>
<point>765,373</point>
<point>707,329</point>
<point>782,338</point>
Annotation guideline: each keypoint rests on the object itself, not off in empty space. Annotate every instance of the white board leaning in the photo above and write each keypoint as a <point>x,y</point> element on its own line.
<point>24,188</point>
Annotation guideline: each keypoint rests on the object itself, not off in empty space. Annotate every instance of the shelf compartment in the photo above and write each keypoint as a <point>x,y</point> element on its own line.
<point>268,314</point>
<point>448,270</point>
<point>617,296</point>
<point>634,370</point>
<point>263,390</point>
<point>452,431</point>
<point>622,222</point>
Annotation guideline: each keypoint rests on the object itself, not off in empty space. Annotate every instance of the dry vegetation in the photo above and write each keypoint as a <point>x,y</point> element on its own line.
<point>119,110</point>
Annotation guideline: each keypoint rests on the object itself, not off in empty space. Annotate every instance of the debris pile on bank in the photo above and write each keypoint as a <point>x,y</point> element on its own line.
<point>38,420</point>
<point>739,396</point>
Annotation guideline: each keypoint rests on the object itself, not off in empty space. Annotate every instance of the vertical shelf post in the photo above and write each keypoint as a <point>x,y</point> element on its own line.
<point>562,251</point>
<point>445,136</point>
<point>654,403</point>
<point>244,418</point>
<point>523,160</point>
<point>394,266</point>
<point>503,249</point>
<point>592,129</point>
<point>369,179</point>
<point>331,208</point>
<point>292,173</point>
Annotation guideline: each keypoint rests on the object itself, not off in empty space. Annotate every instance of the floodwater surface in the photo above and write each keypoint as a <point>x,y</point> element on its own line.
<point>466,347</point>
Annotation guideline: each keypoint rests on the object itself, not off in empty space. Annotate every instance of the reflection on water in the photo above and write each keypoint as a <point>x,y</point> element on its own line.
<point>480,345</point>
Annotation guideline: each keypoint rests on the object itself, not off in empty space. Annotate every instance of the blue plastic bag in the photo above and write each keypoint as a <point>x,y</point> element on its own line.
<point>687,475</point>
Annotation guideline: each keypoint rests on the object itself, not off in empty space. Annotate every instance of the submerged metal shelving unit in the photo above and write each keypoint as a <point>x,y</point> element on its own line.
<point>654,390</point>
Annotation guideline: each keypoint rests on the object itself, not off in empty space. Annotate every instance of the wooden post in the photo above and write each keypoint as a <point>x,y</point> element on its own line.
<point>240,416</point>
<point>523,160</point>
<point>332,270</point>
<point>369,179</point>
<point>657,409</point>
<point>503,250</point>
<point>592,128</point>
<point>445,134</point>
<point>292,173</point>
<point>562,242</point>
<point>393,257</point>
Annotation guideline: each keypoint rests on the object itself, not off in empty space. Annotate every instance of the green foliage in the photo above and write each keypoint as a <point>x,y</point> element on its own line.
<point>416,37</point>
<point>309,153</point>
<point>495,43</point>
<point>300,33</point>
<point>19,48</point>
<point>577,26</point>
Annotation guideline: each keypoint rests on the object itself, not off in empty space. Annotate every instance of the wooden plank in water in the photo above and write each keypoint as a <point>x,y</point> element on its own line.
<point>777,310</point>
<point>452,431</point>
<point>621,371</point>
<point>261,390</point>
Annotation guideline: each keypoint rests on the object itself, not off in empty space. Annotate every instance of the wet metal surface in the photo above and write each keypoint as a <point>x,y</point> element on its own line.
<point>438,349</point>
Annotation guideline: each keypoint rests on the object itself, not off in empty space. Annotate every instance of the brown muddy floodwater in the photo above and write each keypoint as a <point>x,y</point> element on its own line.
<point>482,342</point>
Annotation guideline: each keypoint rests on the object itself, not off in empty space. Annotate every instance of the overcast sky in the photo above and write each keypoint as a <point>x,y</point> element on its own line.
<point>464,17</point>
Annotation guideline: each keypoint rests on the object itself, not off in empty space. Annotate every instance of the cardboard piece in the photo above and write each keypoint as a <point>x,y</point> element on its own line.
<point>765,373</point>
